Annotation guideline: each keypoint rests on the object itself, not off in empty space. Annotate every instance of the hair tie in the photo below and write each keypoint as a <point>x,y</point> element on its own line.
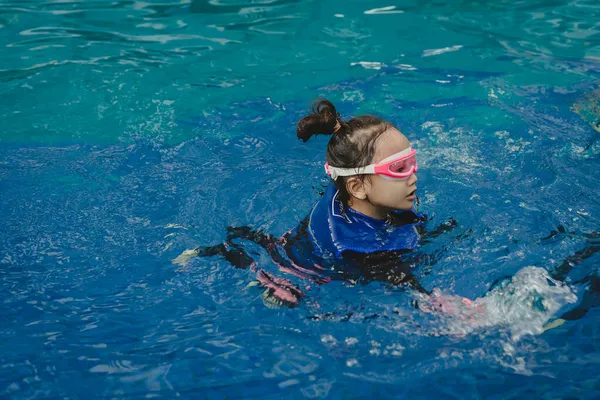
<point>337,126</point>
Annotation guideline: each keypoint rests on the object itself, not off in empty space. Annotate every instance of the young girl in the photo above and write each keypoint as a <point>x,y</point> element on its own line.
<point>367,210</point>
<point>364,227</point>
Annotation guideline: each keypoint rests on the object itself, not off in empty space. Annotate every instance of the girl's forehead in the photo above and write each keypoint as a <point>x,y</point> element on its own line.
<point>390,142</point>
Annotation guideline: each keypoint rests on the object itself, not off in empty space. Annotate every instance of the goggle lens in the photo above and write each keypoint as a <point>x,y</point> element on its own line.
<point>403,166</point>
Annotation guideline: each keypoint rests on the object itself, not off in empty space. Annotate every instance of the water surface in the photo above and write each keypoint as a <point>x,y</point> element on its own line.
<point>133,131</point>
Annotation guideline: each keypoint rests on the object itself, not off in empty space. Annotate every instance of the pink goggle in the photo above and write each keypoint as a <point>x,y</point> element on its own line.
<point>397,166</point>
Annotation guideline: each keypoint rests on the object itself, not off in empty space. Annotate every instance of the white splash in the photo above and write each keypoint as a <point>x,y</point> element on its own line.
<point>368,64</point>
<point>435,52</point>
<point>384,10</point>
<point>524,305</point>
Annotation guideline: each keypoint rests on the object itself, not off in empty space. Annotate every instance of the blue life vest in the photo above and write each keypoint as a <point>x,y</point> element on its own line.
<point>333,229</point>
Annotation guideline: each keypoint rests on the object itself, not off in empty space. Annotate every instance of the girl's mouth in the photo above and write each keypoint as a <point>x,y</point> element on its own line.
<point>412,194</point>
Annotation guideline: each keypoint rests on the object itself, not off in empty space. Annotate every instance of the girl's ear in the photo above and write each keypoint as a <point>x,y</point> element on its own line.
<point>356,187</point>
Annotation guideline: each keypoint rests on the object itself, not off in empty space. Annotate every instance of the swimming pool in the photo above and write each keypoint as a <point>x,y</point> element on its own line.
<point>133,131</point>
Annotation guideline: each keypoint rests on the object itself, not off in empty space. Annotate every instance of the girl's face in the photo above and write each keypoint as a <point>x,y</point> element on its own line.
<point>387,193</point>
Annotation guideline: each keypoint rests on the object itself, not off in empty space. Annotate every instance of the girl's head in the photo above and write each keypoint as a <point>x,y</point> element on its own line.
<point>359,142</point>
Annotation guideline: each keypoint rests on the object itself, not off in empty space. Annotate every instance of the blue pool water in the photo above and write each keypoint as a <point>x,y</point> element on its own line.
<point>133,131</point>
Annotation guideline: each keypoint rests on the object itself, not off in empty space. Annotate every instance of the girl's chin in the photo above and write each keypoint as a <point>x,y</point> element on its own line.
<point>406,205</point>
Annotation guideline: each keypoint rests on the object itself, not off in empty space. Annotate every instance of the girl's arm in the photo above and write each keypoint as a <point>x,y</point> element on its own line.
<point>384,266</point>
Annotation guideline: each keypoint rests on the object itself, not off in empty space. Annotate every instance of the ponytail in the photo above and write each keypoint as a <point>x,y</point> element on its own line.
<point>323,121</point>
<point>352,147</point>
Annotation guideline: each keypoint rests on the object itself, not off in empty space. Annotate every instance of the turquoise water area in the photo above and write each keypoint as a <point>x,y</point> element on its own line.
<point>132,131</point>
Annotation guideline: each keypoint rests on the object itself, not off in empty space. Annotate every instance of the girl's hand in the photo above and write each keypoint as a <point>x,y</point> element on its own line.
<point>450,304</point>
<point>279,291</point>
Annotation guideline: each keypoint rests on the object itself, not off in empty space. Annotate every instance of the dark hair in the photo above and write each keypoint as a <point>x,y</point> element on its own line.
<point>352,144</point>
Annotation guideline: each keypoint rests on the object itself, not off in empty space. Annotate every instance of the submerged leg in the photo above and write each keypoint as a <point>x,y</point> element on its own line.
<point>230,251</point>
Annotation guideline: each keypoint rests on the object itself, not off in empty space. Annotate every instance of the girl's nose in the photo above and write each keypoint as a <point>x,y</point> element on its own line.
<point>412,179</point>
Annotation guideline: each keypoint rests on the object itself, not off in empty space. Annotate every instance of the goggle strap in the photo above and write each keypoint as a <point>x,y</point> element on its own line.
<point>336,172</point>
